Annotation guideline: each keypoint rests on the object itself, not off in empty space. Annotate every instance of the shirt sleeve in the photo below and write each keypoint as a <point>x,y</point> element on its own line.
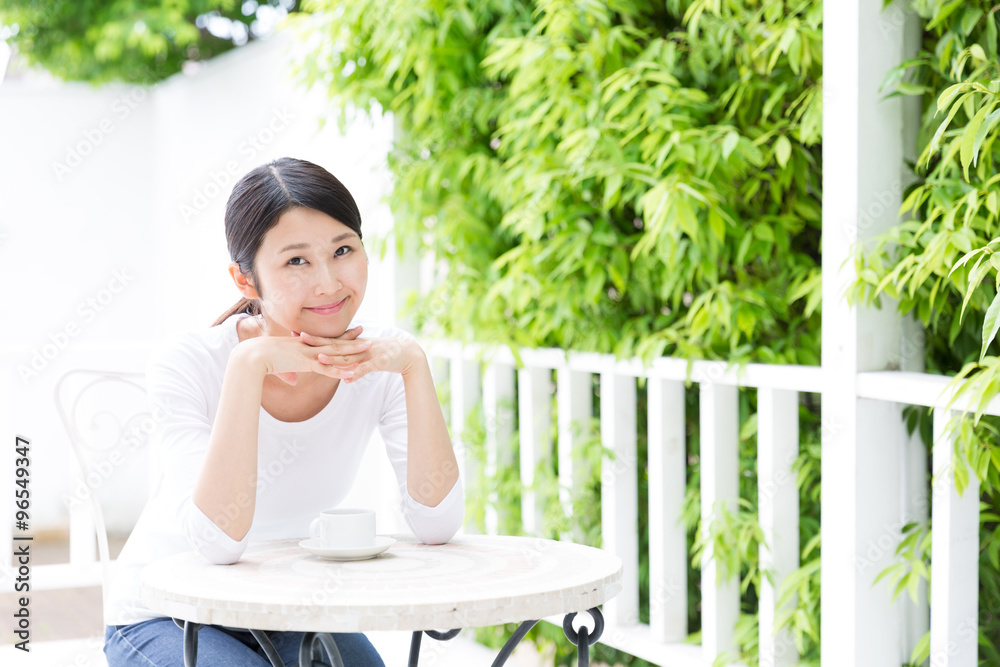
<point>430,525</point>
<point>176,380</point>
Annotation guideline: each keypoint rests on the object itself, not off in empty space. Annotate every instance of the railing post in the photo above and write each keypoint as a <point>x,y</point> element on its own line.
<point>668,549</point>
<point>954,557</point>
<point>575,410</point>
<point>465,393</point>
<point>498,408</point>
<point>778,503</point>
<point>720,457</point>
<point>534,399</point>
<point>864,145</point>
<point>620,491</point>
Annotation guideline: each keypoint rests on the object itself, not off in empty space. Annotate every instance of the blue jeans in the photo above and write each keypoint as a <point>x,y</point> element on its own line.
<point>159,642</point>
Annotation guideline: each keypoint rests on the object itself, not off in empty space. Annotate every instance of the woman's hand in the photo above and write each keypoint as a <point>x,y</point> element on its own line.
<point>394,355</point>
<point>287,356</point>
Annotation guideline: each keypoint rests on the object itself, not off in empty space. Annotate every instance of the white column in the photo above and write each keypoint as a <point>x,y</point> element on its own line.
<point>863,167</point>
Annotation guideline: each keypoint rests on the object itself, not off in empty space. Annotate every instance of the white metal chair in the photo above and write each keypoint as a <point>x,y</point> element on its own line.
<point>108,422</point>
<point>107,418</point>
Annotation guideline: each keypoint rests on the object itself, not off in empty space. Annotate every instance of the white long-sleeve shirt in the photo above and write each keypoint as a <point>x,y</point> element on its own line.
<point>302,467</point>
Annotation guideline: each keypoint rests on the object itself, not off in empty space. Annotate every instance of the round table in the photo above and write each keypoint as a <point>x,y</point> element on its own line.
<point>473,580</point>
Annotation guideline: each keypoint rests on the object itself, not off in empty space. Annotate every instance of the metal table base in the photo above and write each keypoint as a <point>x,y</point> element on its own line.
<point>311,655</point>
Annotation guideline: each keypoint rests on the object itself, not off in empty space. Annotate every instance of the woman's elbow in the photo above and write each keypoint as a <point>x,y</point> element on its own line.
<point>217,558</point>
<point>438,534</point>
<point>208,539</point>
<point>440,529</point>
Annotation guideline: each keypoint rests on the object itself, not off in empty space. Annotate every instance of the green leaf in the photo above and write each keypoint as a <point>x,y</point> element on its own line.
<point>984,129</point>
<point>965,258</point>
<point>905,88</point>
<point>949,93</point>
<point>729,143</point>
<point>922,650</point>
<point>932,147</point>
<point>969,139</point>
<point>943,13</point>
<point>975,277</point>
<point>991,323</point>
<point>782,150</point>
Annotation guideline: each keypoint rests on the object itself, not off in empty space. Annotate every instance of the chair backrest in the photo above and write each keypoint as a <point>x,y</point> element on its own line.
<point>109,423</point>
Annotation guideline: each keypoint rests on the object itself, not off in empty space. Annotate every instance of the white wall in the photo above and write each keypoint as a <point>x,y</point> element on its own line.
<point>93,185</point>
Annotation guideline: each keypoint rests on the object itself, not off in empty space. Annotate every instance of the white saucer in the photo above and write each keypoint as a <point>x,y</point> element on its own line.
<point>382,542</point>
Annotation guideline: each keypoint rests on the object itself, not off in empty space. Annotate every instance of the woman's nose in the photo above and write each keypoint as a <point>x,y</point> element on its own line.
<point>329,281</point>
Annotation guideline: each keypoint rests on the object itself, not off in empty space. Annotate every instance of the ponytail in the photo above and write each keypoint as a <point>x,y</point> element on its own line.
<point>244,305</point>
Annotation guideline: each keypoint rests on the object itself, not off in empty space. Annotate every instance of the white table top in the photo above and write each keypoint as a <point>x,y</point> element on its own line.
<point>474,580</point>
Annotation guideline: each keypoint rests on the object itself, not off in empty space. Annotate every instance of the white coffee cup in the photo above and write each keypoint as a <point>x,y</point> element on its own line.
<point>344,528</point>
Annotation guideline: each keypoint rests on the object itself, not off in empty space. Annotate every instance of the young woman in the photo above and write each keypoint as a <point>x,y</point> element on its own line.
<point>266,414</point>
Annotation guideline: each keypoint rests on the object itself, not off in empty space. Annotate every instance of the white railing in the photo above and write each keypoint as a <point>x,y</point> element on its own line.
<point>476,375</point>
<point>492,382</point>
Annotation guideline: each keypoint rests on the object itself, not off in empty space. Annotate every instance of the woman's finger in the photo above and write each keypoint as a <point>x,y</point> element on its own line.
<point>333,371</point>
<point>351,352</point>
<point>340,348</point>
<point>350,334</point>
<point>343,358</point>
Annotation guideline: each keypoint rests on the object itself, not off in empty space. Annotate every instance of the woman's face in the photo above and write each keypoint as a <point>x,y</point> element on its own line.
<point>313,271</point>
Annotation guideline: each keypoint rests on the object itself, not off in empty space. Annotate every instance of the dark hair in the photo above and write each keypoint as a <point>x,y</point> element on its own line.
<point>260,198</point>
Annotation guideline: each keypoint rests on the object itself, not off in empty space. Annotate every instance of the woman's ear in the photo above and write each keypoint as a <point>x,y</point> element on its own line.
<point>242,284</point>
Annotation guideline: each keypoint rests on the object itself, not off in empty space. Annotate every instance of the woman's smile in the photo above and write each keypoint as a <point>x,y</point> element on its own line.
<point>329,309</point>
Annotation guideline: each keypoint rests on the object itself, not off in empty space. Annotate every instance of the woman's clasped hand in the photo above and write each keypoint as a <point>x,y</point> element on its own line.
<point>394,355</point>
<point>347,357</point>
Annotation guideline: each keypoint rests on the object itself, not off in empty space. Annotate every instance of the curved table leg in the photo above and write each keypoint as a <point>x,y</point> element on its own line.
<point>310,654</point>
<point>582,640</point>
<point>512,643</point>
<point>190,641</point>
<point>269,650</point>
<point>414,648</point>
<point>433,634</point>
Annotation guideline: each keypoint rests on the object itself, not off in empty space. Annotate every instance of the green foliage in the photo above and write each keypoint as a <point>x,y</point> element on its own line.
<point>951,208</point>
<point>133,41</point>
<point>629,177</point>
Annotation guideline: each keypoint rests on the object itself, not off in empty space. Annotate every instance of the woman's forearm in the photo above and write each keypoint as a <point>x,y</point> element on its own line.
<point>226,489</point>
<point>431,467</point>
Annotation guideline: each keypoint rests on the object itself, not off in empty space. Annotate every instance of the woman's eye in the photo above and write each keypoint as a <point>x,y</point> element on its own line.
<point>342,250</point>
<point>292,261</point>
